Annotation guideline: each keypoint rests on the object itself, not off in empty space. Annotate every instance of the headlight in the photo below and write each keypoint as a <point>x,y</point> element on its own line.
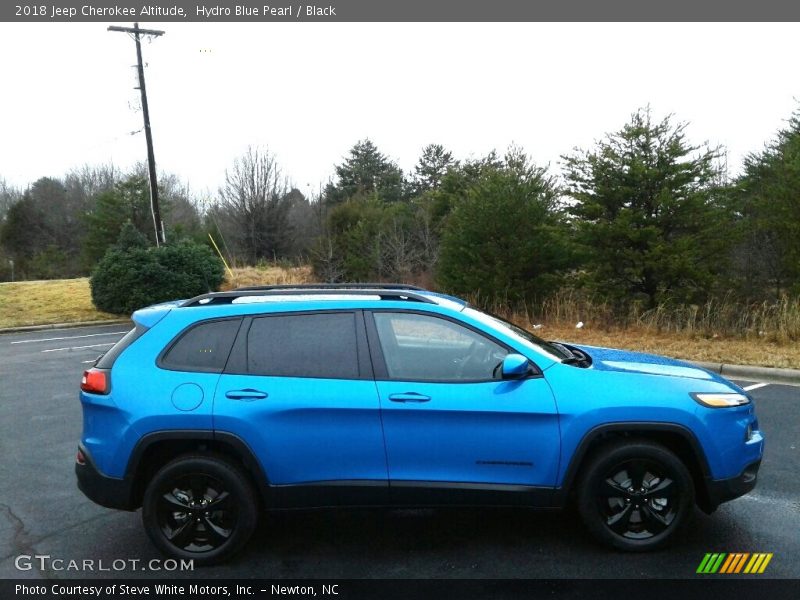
<point>720,400</point>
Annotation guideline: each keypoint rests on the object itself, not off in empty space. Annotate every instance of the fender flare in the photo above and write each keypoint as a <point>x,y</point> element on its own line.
<point>632,427</point>
<point>240,447</point>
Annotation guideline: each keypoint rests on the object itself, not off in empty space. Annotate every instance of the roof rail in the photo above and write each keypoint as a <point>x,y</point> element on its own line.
<point>229,297</point>
<point>333,286</point>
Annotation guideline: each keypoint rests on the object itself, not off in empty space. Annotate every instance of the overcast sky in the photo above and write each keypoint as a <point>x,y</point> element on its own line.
<point>309,91</point>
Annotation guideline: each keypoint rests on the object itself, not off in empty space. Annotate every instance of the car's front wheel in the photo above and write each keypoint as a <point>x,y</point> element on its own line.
<point>199,507</point>
<point>635,495</point>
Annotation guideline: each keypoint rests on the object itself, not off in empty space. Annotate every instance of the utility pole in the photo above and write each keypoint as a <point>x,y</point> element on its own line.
<point>151,160</point>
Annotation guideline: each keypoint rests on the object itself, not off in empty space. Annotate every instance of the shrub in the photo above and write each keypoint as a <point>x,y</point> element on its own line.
<point>353,240</point>
<point>132,275</point>
<point>505,240</point>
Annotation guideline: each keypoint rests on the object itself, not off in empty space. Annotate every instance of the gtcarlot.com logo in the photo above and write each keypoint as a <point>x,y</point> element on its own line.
<point>45,562</point>
<point>734,562</point>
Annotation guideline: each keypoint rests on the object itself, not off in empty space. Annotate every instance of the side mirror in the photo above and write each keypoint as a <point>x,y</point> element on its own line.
<point>515,366</point>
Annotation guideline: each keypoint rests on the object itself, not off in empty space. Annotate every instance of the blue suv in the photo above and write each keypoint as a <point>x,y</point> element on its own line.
<point>215,408</point>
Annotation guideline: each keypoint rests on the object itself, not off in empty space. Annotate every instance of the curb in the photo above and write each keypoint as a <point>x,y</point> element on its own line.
<point>25,328</point>
<point>751,373</point>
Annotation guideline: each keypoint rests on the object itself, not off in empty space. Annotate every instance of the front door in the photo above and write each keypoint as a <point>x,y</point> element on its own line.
<point>449,420</point>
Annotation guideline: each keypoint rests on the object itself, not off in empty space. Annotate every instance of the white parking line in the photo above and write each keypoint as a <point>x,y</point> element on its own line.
<point>77,347</point>
<point>71,337</point>
<point>755,386</point>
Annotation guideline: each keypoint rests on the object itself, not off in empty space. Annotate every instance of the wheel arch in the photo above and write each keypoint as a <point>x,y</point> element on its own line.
<point>156,449</point>
<point>675,437</point>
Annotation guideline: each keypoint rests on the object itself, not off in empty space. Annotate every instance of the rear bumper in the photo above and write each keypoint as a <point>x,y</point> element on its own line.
<point>723,490</point>
<point>105,491</point>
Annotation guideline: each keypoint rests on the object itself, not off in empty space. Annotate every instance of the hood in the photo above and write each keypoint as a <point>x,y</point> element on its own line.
<point>609,359</point>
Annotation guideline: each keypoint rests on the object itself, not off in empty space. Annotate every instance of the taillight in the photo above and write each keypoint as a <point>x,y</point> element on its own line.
<point>95,381</point>
<point>80,458</point>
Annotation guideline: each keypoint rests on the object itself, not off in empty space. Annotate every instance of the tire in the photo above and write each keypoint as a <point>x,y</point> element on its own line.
<point>635,495</point>
<point>200,507</point>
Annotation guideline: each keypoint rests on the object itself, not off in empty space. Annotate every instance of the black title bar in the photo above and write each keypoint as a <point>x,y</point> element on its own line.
<point>404,589</point>
<point>401,10</point>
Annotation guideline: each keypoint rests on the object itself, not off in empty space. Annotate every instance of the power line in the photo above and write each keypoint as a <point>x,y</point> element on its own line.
<point>137,32</point>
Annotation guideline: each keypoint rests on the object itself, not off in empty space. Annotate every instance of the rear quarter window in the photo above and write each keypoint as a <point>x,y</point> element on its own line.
<point>203,347</point>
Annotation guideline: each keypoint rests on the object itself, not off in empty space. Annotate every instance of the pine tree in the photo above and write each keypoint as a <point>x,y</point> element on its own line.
<point>433,165</point>
<point>768,200</point>
<point>647,212</point>
<point>364,172</point>
<point>506,238</point>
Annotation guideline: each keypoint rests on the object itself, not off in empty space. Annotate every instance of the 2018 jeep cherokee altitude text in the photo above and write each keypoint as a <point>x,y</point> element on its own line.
<point>215,408</point>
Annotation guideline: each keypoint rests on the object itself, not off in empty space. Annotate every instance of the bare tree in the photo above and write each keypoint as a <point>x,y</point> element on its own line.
<point>302,223</point>
<point>255,197</point>
<point>400,252</point>
<point>8,197</point>
<point>427,238</point>
<point>85,182</point>
<point>326,260</point>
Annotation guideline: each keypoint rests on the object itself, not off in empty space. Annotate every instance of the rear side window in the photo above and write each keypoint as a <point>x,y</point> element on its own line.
<point>106,361</point>
<point>204,347</point>
<point>310,345</point>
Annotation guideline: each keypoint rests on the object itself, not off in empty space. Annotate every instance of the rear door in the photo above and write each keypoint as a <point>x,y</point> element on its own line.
<point>298,389</point>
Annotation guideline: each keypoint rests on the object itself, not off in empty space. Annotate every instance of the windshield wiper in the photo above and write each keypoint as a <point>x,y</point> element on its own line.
<point>574,358</point>
<point>568,354</point>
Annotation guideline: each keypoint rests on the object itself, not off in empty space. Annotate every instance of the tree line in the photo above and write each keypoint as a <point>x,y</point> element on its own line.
<point>644,217</point>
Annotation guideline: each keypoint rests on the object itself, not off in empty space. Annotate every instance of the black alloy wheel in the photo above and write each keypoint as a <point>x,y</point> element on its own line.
<point>200,507</point>
<point>635,494</point>
<point>638,499</point>
<point>196,513</point>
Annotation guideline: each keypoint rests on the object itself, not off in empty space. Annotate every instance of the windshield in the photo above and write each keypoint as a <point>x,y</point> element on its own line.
<point>555,351</point>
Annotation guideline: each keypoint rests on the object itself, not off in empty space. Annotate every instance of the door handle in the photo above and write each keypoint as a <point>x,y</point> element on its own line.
<point>248,394</point>
<point>409,397</point>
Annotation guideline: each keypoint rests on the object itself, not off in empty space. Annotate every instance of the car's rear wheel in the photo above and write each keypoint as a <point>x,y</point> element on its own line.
<point>199,507</point>
<point>635,495</point>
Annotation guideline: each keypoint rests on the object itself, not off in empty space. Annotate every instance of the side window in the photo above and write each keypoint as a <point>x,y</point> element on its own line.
<point>310,345</point>
<point>205,347</point>
<point>426,348</point>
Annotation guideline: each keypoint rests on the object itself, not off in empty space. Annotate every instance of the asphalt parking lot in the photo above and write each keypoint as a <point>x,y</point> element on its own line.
<point>43,513</point>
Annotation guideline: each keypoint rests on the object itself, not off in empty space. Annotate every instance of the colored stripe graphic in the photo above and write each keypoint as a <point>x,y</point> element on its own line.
<point>750,566</point>
<point>724,563</point>
<point>765,563</point>
<point>711,562</point>
<point>740,564</point>
<point>703,563</point>
<point>734,562</point>
<point>728,561</point>
<point>758,563</point>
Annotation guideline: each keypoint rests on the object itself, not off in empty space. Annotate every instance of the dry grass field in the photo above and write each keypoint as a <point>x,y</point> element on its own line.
<point>43,302</point>
<point>267,275</point>
<point>702,338</point>
<point>728,350</point>
<point>69,300</point>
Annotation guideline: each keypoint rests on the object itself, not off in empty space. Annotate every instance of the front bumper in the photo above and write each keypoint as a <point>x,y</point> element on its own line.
<point>105,491</point>
<point>723,490</point>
